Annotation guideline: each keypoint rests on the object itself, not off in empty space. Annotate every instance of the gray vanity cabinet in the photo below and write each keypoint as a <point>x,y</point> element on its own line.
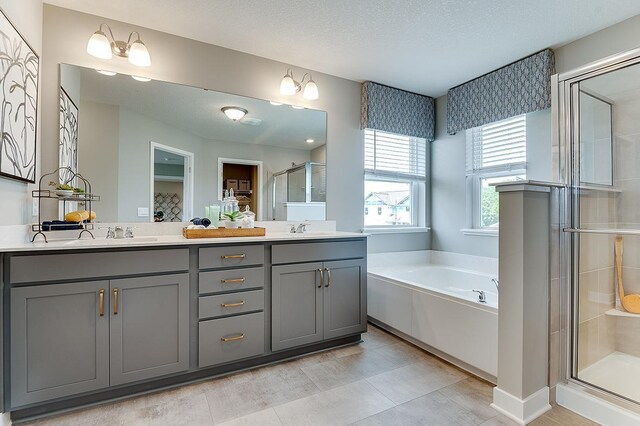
<point>149,327</point>
<point>317,301</point>
<point>59,340</point>
<point>296,305</point>
<point>344,298</point>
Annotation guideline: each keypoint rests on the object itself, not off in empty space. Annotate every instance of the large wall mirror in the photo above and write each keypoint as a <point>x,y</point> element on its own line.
<point>152,146</point>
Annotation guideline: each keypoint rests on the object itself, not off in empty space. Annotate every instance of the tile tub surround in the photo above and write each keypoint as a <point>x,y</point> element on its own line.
<point>378,382</point>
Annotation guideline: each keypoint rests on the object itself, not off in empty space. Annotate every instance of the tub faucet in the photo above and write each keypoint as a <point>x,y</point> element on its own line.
<point>482,296</point>
<point>497,284</point>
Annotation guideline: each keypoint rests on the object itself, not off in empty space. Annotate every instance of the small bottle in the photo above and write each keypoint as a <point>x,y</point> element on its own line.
<point>249,220</point>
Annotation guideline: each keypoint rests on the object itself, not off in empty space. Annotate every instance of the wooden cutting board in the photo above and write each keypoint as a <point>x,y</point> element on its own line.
<point>223,232</point>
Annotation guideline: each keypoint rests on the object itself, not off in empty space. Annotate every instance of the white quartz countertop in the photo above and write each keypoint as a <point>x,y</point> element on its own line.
<point>166,240</point>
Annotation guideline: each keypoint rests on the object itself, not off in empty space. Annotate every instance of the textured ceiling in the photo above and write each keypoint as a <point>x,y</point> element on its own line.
<point>197,111</point>
<point>425,46</point>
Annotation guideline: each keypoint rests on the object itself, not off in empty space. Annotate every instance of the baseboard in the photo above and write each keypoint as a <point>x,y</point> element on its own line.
<point>5,419</point>
<point>521,411</point>
<point>593,408</point>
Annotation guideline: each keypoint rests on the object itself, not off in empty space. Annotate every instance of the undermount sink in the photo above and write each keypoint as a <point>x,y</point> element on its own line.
<point>89,241</point>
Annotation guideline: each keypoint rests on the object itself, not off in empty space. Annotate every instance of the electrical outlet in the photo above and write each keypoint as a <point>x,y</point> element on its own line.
<point>143,211</point>
<point>34,209</point>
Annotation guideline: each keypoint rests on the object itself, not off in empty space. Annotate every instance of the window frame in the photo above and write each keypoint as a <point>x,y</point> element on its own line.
<point>417,199</point>
<point>474,179</point>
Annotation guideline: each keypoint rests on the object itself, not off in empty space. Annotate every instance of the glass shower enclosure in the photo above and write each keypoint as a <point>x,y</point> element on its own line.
<point>300,192</point>
<point>600,162</point>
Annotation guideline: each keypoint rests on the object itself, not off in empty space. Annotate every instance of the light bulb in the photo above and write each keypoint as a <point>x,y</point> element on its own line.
<point>105,72</point>
<point>310,90</point>
<point>139,55</point>
<point>99,46</point>
<point>310,140</point>
<point>287,85</point>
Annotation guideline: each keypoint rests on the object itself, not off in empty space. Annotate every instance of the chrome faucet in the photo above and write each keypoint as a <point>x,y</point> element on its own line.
<point>301,229</point>
<point>496,283</point>
<point>482,296</point>
<point>110,233</point>
<point>129,232</point>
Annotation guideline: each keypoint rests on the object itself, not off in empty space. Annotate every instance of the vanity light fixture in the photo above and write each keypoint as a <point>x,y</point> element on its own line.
<point>101,47</point>
<point>275,103</point>
<point>109,73</point>
<point>289,86</point>
<point>138,78</point>
<point>310,140</point>
<point>234,113</point>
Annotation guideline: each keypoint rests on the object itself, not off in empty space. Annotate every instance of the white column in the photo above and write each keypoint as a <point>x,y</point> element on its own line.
<point>522,393</point>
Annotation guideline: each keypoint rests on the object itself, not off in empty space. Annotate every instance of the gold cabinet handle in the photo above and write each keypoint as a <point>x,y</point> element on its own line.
<point>101,302</point>
<point>321,277</point>
<point>234,280</point>
<point>231,339</point>
<point>328,276</point>
<point>115,301</point>
<point>232,305</point>
<point>234,256</point>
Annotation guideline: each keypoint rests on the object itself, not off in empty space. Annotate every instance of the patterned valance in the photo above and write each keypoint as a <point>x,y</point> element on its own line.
<point>396,111</point>
<point>518,88</point>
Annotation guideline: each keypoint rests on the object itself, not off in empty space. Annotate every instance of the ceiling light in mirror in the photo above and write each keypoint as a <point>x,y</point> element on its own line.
<point>297,107</point>
<point>234,113</point>
<point>105,72</point>
<point>310,140</point>
<point>138,78</point>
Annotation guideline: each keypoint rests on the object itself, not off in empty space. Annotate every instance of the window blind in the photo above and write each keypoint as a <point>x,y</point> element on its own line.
<point>500,146</point>
<point>391,155</point>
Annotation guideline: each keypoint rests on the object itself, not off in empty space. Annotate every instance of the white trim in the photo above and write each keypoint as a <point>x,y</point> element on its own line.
<point>5,419</point>
<point>593,408</point>
<point>258,185</point>
<point>521,411</point>
<point>396,230</point>
<point>481,232</point>
<point>188,184</point>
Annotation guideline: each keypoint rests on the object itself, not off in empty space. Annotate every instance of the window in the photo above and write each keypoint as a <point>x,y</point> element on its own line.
<point>395,180</point>
<point>496,152</point>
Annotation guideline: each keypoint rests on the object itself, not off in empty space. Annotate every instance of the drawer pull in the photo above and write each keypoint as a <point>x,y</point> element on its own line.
<point>234,280</point>
<point>101,302</point>
<point>231,339</point>
<point>232,305</point>
<point>115,301</point>
<point>234,256</point>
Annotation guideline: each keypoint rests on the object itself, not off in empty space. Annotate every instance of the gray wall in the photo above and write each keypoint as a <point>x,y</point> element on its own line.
<point>224,70</point>
<point>26,16</point>
<point>448,199</point>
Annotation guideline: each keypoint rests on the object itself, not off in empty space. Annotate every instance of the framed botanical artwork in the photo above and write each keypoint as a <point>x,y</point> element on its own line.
<point>19,66</point>
<point>68,142</point>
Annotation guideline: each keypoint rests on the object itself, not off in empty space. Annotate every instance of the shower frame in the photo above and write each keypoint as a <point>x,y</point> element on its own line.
<point>566,130</point>
<point>307,166</point>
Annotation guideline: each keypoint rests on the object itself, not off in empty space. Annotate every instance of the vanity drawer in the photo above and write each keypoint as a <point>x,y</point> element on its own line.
<point>230,280</point>
<point>65,266</point>
<point>229,304</point>
<point>314,252</point>
<point>229,339</point>
<point>230,256</point>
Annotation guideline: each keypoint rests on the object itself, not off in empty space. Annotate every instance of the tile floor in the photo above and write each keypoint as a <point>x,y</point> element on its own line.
<point>382,381</point>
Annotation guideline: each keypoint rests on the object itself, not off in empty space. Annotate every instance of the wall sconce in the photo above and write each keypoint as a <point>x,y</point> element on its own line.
<point>289,86</point>
<point>101,47</point>
<point>234,113</point>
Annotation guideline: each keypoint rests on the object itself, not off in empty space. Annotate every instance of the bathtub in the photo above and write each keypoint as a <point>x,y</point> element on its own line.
<point>428,298</point>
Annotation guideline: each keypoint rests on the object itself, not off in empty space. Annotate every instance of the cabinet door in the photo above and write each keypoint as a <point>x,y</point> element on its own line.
<point>59,341</point>
<point>296,292</point>
<point>149,327</point>
<point>345,298</point>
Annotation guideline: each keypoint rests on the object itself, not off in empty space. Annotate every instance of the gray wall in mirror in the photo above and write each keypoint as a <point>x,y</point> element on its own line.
<point>120,117</point>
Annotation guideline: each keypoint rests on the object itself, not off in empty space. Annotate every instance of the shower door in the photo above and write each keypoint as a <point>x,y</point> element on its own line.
<point>602,112</point>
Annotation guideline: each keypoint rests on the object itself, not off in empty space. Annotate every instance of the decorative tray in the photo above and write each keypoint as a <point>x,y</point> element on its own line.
<point>223,232</point>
